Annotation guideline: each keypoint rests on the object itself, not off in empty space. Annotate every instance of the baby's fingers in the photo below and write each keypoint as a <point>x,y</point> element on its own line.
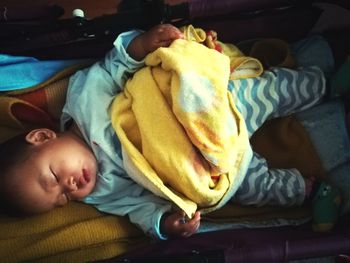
<point>167,35</point>
<point>170,31</point>
<point>191,227</point>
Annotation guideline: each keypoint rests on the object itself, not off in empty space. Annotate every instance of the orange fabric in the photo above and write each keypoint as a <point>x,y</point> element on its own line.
<point>285,143</point>
<point>38,106</point>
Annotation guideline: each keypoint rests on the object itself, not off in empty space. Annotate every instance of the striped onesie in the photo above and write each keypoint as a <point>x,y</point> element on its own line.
<point>277,92</point>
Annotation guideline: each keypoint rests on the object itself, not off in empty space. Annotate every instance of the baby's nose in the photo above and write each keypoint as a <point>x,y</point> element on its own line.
<point>71,184</point>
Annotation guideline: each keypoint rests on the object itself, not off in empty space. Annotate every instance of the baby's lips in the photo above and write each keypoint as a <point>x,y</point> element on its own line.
<point>86,178</point>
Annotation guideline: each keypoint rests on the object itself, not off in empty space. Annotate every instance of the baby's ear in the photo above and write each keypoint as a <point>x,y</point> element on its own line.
<point>39,136</point>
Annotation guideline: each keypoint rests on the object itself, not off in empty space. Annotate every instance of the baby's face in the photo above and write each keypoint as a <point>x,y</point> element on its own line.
<point>59,170</point>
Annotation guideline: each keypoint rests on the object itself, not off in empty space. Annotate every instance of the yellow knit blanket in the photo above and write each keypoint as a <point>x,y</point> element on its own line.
<point>181,134</point>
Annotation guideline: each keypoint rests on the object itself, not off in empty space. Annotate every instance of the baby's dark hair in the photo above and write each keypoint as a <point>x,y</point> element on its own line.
<point>12,152</point>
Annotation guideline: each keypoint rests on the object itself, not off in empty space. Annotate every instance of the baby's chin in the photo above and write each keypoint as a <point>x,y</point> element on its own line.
<point>88,189</point>
<point>91,185</point>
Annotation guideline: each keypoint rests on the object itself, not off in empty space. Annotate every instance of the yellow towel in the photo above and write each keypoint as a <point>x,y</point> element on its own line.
<point>241,66</point>
<point>181,134</point>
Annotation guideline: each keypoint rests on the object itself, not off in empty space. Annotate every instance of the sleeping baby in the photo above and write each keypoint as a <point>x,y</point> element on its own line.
<point>158,131</point>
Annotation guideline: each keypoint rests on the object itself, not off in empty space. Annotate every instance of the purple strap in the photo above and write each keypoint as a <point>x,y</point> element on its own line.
<point>203,8</point>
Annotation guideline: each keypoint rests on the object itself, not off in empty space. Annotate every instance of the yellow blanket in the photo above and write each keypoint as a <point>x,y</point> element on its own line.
<point>241,66</point>
<point>74,233</point>
<point>182,136</point>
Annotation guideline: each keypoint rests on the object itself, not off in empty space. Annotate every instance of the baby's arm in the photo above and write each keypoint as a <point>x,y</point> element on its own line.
<point>128,53</point>
<point>175,224</point>
<point>158,36</point>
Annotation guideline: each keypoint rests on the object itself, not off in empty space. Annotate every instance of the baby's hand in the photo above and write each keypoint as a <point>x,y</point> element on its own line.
<point>158,36</point>
<point>175,225</point>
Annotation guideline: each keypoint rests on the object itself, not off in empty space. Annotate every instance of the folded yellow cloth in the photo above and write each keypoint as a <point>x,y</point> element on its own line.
<point>241,66</point>
<point>181,134</point>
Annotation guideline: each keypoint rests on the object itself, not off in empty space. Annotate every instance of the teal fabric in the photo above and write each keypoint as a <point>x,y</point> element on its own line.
<point>340,82</point>
<point>314,50</point>
<point>327,129</point>
<point>23,72</point>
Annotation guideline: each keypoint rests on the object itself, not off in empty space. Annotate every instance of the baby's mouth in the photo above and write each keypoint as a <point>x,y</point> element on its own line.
<point>85,178</point>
